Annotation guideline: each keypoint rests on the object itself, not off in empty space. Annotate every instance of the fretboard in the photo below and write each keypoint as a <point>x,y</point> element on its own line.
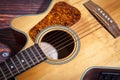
<point>21,62</point>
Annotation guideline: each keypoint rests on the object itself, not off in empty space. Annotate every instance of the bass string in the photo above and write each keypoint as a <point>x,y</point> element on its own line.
<point>75,40</point>
<point>76,30</point>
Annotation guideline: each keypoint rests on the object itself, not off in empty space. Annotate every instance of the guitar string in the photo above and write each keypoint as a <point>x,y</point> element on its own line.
<point>67,41</point>
<point>54,41</point>
<point>2,73</point>
<point>50,38</point>
<point>74,29</point>
<point>77,39</point>
<point>80,37</point>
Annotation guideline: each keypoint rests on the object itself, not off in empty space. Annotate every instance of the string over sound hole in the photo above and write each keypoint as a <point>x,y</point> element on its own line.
<point>57,44</point>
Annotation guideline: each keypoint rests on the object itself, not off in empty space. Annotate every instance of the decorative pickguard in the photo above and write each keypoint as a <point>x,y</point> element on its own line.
<point>61,14</point>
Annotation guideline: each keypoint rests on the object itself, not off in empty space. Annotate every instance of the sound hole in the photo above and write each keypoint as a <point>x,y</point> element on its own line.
<point>57,44</point>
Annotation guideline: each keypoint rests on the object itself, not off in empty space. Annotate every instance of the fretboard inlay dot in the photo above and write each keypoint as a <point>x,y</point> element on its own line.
<point>22,61</point>
<point>11,67</point>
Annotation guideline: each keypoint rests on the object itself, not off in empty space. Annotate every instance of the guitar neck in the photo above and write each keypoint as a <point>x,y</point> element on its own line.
<point>21,62</point>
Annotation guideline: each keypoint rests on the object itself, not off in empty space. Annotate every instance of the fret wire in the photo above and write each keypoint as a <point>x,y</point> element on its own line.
<point>38,52</point>
<point>3,73</point>
<point>9,68</point>
<point>25,59</point>
<point>14,64</point>
<point>29,56</point>
<point>19,61</point>
<point>6,71</point>
<point>34,54</point>
<point>4,68</point>
<point>42,54</point>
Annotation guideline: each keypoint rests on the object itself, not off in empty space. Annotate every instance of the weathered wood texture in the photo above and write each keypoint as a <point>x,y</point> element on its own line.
<point>10,9</point>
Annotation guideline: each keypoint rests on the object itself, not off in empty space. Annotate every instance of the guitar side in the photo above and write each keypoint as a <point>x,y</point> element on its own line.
<point>98,47</point>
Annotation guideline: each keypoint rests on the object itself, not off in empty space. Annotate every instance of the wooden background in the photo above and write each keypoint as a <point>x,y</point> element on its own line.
<point>99,48</point>
<point>10,9</point>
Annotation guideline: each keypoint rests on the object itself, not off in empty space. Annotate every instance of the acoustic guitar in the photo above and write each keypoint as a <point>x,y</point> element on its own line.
<point>66,40</point>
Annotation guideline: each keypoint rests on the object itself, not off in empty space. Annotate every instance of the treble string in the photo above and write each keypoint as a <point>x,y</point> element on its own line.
<point>74,40</point>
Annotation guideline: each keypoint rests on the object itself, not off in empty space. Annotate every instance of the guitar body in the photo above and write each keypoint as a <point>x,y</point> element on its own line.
<point>98,47</point>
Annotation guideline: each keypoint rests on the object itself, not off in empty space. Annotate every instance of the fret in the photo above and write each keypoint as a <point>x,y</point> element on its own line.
<point>25,55</point>
<point>2,75</point>
<point>34,57</point>
<point>29,56</point>
<point>14,65</point>
<point>6,71</point>
<point>19,63</point>
<point>9,68</point>
<point>37,52</point>
<point>23,60</point>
